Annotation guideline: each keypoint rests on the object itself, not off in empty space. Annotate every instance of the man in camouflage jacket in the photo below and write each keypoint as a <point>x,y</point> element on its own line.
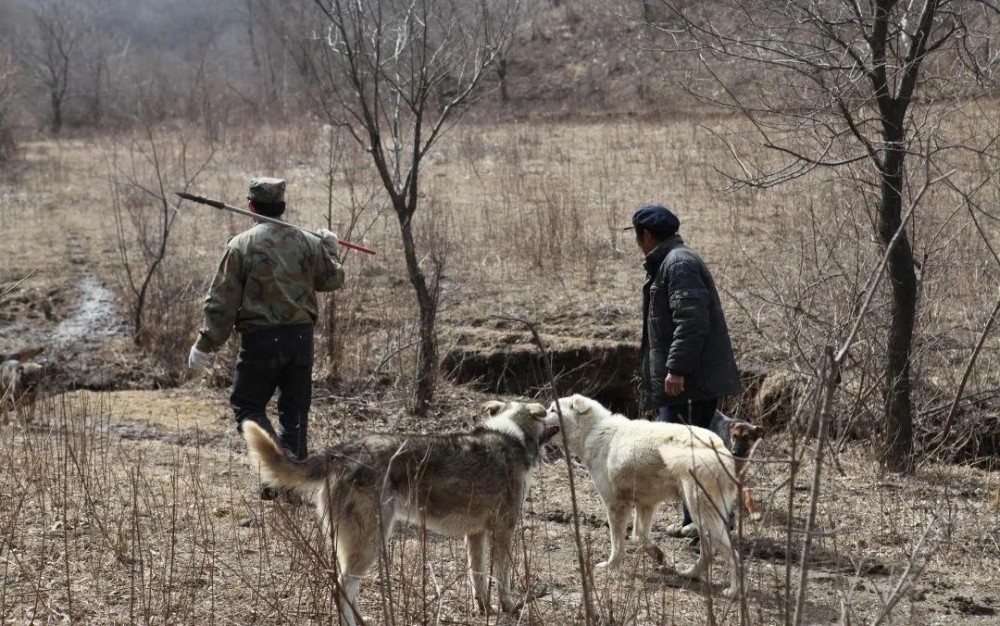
<point>266,288</point>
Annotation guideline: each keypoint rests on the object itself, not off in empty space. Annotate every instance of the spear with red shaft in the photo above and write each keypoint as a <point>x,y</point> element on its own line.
<point>264,218</point>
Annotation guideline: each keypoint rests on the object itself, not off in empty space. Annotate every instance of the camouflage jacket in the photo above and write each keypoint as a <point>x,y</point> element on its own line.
<point>268,277</point>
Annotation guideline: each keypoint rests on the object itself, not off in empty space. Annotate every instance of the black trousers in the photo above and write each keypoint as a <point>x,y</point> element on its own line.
<point>279,359</point>
<point>699,414</point>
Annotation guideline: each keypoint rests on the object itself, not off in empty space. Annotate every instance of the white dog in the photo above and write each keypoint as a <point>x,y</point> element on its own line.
<point>638,464</point>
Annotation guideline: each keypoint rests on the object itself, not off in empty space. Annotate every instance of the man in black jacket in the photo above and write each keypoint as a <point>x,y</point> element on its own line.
<point>687,356</point>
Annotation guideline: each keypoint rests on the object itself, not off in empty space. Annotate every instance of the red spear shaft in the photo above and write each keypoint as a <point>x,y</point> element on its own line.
<point>228,207</point>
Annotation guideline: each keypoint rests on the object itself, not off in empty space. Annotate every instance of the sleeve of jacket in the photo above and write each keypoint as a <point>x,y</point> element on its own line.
<point>329,270</point>
<point>689,305</point>
<point>222,304</point>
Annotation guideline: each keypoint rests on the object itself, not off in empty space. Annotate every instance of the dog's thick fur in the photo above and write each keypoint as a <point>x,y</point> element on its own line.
<point>458,484</point>
<point>19,384</point>
<point>637,464</point>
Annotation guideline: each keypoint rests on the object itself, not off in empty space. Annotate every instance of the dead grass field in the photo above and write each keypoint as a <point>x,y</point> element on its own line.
<point>133,503</point>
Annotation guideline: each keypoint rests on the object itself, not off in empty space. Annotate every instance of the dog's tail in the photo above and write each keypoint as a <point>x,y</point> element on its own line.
<point>276,467</point>
<point>707,476</point>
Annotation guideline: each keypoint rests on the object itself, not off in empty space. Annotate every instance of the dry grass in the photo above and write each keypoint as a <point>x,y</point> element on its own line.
<point>139,507</point>
<point>113,514</point>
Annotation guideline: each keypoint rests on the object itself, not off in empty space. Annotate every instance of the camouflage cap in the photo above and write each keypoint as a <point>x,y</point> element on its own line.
<point>266,190</point>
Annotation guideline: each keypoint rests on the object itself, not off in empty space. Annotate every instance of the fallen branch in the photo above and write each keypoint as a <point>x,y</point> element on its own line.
<point>18,283</point>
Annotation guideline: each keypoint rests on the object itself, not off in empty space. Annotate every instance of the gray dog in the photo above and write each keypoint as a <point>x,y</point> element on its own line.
<point>458,484</point>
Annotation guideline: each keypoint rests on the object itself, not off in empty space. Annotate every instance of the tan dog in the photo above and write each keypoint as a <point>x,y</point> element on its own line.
<point>19,383</point>
<point>740,438</point>
<point>636,464</point>
<point>457,484</point>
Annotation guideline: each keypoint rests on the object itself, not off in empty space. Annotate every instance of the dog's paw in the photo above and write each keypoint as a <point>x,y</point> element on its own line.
<point>731,592</point>
<point>690,572</point>
<point>756,516</point>
<point>609,564</point>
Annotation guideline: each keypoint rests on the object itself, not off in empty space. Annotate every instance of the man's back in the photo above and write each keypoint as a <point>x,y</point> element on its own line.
<point>281,269</point>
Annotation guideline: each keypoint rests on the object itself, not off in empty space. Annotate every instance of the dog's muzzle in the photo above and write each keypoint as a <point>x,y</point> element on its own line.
<point>549,433</point>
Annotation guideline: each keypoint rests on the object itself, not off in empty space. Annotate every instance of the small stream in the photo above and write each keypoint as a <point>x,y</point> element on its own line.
<point>94,315</point>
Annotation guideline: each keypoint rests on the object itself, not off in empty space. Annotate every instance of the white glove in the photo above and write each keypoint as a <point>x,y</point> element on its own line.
<point>329,236</point>
<point>198,359</point>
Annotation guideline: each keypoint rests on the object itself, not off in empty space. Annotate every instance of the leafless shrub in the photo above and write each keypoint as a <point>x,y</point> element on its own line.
<point>141,178</point>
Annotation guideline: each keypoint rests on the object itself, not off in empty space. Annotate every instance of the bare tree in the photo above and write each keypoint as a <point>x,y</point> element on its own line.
<point>266,54</point>
<point>381,68</point>
<point>8,91</point>
<point>141,181</point>
<point>103,61</point>
<point>50,52</point>
<point>867,86</point>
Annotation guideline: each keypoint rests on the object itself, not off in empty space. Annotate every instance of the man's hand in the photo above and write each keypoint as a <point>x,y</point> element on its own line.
<point>673,385</point>
<point>198,359</point>
<point>329,236</point>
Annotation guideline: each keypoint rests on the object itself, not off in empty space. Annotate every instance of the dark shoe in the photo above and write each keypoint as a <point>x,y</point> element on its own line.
<point>689,530</point>
<point>681,529</point>
<point>674,530</point>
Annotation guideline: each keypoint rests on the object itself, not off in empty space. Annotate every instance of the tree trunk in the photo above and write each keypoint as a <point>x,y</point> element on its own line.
<point>332,339</point>
<point>899,410</point>
<point>56,112</point>
<point>502,76</point>
<point>427,363</point>
<point>427,302</point>
<point>97,103</point>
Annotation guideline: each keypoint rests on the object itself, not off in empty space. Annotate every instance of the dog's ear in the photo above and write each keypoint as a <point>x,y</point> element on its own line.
<point>537,410</point>
<point>580,404</point>
<point>493,407</point>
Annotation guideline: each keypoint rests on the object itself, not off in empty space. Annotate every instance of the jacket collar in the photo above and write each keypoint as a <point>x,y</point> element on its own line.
<point>654,259</point>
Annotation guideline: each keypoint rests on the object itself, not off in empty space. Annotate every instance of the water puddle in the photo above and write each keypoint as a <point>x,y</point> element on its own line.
<point>94,315</point>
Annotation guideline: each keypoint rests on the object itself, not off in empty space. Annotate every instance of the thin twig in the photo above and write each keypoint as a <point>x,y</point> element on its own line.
<point>911,566</point>
<point>581,558</point>
<point>18,283</point>
<point>946,429</point>
<point>830,376</point>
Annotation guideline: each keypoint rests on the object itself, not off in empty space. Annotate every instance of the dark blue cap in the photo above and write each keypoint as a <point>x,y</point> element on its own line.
<point>656,218</point>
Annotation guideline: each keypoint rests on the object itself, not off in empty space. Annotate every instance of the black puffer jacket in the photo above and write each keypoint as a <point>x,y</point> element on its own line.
<point>684,330</point>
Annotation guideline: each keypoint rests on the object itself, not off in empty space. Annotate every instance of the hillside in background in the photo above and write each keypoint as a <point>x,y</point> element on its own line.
<point>140,59</point>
